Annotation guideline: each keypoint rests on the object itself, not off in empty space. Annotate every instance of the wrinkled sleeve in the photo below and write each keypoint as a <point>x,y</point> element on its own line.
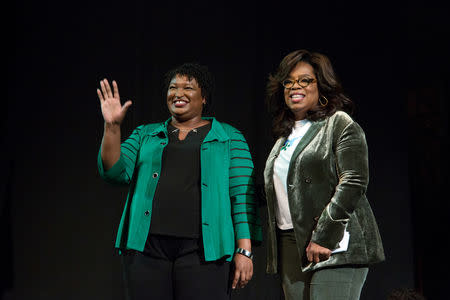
<point>122,171</point>
<point>245,211</point>
<point>353,171</point>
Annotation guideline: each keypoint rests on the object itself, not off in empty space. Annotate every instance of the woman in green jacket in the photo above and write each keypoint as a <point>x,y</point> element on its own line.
<point>190,208</point>
<point>322,234</point>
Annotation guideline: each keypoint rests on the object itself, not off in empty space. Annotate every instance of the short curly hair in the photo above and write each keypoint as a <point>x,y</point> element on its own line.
<point>200,73</point>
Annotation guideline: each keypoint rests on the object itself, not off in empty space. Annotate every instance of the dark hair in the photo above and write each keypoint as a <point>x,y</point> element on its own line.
<point>195,71</point>
<point>327,83</point>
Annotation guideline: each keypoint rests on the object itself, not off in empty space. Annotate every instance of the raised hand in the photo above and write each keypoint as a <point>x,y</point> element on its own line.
<point>112,110</point>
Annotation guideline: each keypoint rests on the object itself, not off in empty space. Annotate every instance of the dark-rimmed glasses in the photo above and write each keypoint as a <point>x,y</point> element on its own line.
<point>303,82</point>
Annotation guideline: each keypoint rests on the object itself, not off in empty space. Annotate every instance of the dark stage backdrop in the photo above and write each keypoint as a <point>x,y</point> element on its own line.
<point>59,219</point>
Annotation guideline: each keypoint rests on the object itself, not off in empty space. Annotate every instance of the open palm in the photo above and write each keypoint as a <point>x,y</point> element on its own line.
<point>112,110</point>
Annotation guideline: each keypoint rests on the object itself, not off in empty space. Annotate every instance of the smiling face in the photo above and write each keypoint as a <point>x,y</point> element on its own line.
<point>184,98</point>
<point>301,99</point>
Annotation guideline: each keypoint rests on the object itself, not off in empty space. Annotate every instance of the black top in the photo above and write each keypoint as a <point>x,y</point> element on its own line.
<point>177,200</point>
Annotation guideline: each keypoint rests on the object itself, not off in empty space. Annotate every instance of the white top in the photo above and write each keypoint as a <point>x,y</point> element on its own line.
<point>280,170</point>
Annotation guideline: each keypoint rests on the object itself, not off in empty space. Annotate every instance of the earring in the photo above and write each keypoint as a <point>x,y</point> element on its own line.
<point>321,103</point>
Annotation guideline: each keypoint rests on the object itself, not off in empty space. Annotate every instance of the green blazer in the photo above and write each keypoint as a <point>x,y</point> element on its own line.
<point>327,181</point>
<point>229,211</point>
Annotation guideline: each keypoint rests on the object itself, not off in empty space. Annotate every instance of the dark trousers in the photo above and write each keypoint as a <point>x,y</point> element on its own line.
<point>338,283</point>
<point>174,269</point>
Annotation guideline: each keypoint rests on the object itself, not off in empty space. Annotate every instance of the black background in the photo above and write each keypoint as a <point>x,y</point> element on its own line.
<point>59,219</point>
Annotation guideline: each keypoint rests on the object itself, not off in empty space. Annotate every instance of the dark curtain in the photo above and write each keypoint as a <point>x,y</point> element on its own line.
<point>62,218</point>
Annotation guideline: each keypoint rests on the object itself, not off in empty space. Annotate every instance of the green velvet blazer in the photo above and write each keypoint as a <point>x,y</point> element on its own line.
<point>327,181</point>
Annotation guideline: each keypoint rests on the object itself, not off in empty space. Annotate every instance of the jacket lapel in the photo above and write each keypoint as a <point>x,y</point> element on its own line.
<point>217,131</point>
<point>306,139</point>
<point>268,172</point>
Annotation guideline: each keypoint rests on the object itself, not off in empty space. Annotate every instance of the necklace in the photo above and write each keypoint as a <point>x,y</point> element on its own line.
<point>193,129</point>
<point>288,143</point>
<point>184,130</point>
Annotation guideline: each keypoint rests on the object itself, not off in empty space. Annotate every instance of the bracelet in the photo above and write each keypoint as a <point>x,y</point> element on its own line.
<point>244,252</point>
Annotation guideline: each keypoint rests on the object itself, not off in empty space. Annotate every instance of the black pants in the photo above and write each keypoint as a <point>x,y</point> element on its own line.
<point>174,269</point>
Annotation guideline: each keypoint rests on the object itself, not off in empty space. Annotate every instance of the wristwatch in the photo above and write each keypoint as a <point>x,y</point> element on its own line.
<point>244,252</point>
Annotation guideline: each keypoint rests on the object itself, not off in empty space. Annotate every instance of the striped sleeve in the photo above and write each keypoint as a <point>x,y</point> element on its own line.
<point>245,211</point>
<point>122,171</point>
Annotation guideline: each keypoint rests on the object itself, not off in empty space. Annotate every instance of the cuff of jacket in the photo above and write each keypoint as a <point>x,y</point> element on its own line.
<point>329,230</point>
<point>114,173</point>
<point>248,231</point>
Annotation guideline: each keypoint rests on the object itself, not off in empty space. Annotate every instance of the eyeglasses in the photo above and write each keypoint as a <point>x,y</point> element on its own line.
<point>303,82</point>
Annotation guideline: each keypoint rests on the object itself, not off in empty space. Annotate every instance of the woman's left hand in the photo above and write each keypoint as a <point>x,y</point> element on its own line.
<point>316,253</point>
<point>243,270</point>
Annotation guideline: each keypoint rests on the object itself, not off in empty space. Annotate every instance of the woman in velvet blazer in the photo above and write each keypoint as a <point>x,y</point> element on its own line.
<point>322,234</point>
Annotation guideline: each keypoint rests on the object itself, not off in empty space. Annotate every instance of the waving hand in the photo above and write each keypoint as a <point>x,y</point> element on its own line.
<point>112,110</point>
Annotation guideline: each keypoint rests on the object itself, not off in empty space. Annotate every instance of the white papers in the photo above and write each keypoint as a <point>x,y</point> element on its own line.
<point>343,244</point>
